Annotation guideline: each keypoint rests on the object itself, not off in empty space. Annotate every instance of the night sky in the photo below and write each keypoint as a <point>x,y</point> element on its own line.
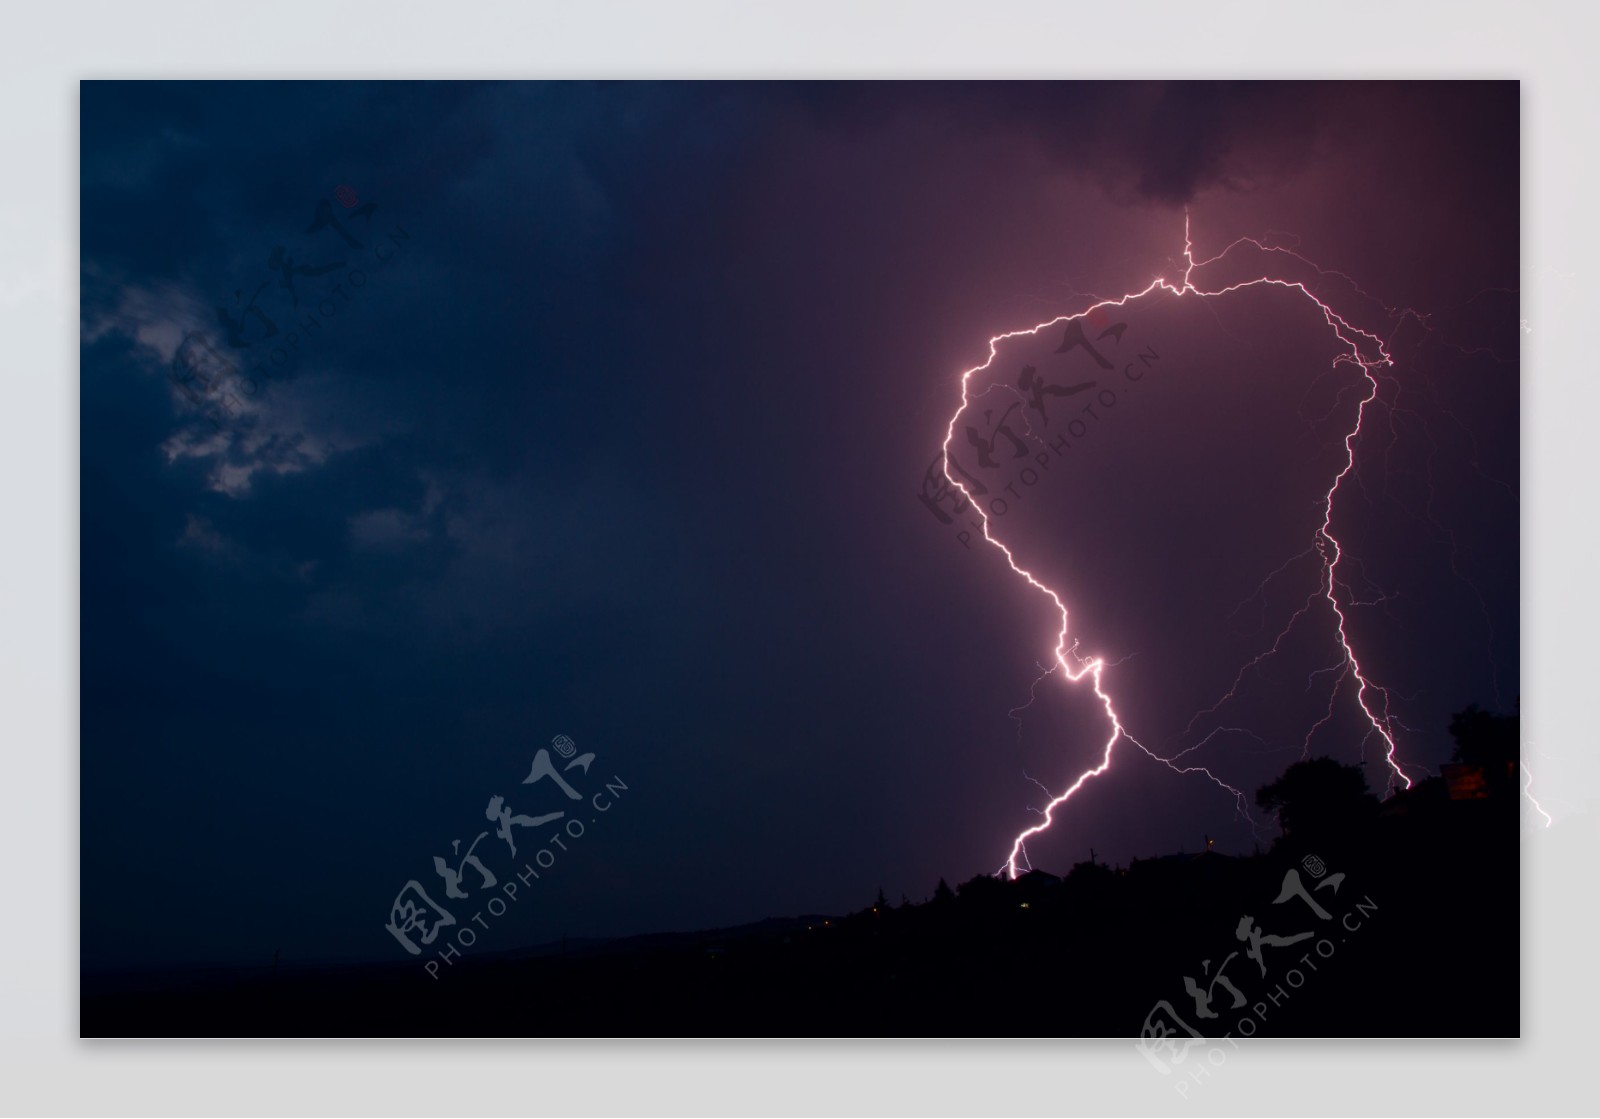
<point>620,436</point>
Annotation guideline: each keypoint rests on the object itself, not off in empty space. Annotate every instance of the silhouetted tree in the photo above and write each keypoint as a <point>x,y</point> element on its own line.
<point>1089,872</point>
<point>1317,799</point>
<point>942,892</point>
<point>984,889</point>
<point>1491,741</point>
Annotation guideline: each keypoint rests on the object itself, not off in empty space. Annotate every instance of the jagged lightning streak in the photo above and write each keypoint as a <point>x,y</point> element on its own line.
<point>1527,788</point>
<point>1527,791</point>
<point>1075,668</point>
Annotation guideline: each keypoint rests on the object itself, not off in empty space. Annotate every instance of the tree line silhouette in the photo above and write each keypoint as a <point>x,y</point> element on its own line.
<point>1087,953</point>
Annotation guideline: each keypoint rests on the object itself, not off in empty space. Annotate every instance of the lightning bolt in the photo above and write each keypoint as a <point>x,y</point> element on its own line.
<point>1527,791</point>
<point>1527,788</point>
<point>1372,699</point>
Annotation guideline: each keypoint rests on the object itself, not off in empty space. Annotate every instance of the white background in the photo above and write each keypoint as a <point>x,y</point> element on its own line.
<point>45,50</point>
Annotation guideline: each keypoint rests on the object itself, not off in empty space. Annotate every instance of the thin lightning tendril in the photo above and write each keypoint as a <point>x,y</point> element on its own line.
<point>1527,788</point>
<point>1527,791</point>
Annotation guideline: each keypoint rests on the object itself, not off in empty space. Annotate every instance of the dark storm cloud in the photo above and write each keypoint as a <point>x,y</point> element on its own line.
<point>1169,143</point>
<point>1144,142</point>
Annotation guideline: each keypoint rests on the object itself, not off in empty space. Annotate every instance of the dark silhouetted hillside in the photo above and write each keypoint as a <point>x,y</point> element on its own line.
<point>1430,882</point>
